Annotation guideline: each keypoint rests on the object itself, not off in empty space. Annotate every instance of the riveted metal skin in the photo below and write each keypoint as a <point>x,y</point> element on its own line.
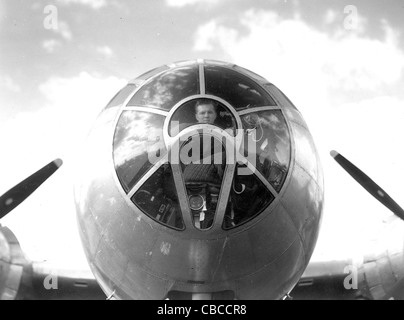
<point>134,256</point>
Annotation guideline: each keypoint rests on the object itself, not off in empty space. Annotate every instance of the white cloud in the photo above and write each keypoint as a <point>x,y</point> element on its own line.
<point>33,138</point>
<point>56,129</point>
<point>296,56</point>
<point>7,83</point>
<point>211,33</point>
<point>78,100</point>
<point>392,35</point>
<point>105,51</point>
<point>330,16</point>
<point>63,29</point>
<point>51,45</point>
<point>95,4</point>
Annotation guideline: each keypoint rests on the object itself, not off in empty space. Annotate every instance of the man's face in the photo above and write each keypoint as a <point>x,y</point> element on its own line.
<point>206,113</point>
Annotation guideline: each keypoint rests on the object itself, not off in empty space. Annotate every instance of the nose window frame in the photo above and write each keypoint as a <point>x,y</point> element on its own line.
<point>233,113</point>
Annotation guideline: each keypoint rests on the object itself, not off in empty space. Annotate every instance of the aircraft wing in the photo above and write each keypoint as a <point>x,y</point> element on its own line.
<point>379,276</point>
<point>21,279</point>
<point>49,283</point>
<point>324,280</point>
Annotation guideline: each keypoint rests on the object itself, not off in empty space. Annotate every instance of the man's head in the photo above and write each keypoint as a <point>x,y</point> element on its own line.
<point>205,111</point>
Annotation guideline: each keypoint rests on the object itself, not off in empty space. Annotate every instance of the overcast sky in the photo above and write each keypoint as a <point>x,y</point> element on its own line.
<point>340,62</point>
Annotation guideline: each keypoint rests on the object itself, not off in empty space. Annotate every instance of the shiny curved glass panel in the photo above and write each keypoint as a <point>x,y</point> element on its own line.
<point>283,99</point>
<point>121,96</point>
<point>237,89</point>
<point>138,145</point>
<point>203,162</point>
<point>248,198</point>
<point>151,73</point>
<point>186,116</point>
<point>168,88</point>
<point>267,144</point>
<point>158,199</point>
<point>252,74</point>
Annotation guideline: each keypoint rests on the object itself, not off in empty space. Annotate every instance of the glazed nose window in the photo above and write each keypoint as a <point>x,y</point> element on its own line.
<point>158,198</point>
<point>203,163</point>
<point>168,88</point>
<point>138,134</point>
<point>237,89</point>
<point>267,140</point>
<point>200,146</point>
<point>202,111</point>
<point>248,198</point>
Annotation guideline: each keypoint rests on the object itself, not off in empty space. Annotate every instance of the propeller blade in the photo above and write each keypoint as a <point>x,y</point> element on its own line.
<point>13,197</point>
<point>368,184</point>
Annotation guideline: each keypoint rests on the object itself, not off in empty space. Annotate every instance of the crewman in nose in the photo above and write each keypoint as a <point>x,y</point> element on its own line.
<point>205,111</point>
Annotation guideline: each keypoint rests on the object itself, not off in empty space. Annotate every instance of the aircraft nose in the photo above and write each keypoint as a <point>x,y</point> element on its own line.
<point>200,262</point>
<point>195,261</point>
